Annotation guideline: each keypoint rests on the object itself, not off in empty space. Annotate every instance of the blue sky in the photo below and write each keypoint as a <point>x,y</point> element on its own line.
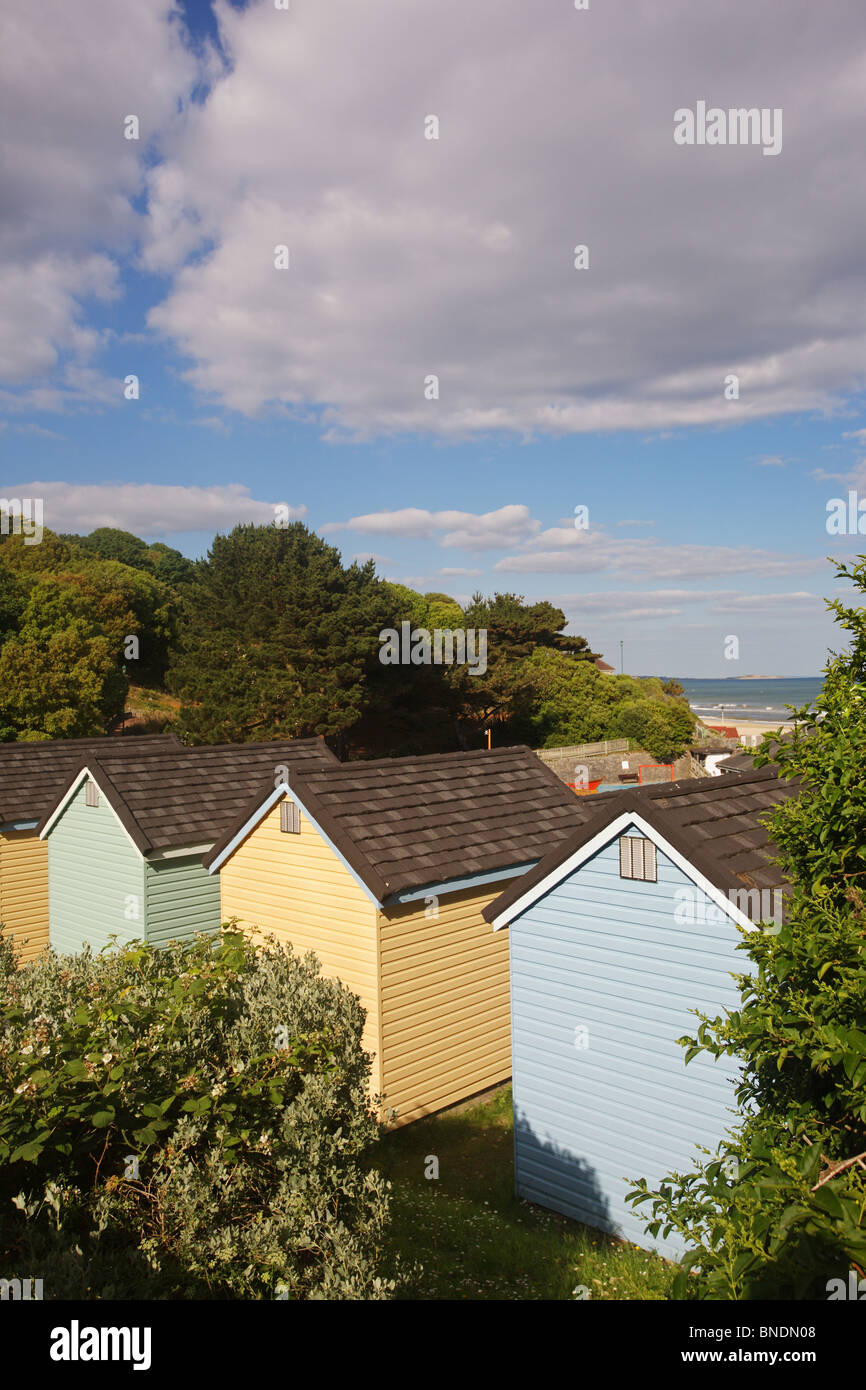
<point>558,387</point>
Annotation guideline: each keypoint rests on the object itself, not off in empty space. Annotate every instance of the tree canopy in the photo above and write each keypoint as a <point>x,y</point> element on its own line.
<point>273,635</point>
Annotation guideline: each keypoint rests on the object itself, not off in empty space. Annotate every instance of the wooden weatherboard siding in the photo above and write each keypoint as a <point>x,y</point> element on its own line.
<point>95,876</point>
<point>296,887</point>
<point>445,1006</point>
<point>606,954</point>
<point>181,898</point>
<point>24,891</point>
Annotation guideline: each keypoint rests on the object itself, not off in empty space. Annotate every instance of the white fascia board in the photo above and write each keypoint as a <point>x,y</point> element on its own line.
<point>183,852</point>
<point>457,885</point>
<point>261,811</point>
<point>61,807</point>
<point>63,803</point>
<point>627,820</point>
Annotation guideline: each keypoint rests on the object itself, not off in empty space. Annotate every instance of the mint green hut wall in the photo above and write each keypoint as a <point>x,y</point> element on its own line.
<point>181,898</point>
<point>100,885</point>
<point>95,879</point>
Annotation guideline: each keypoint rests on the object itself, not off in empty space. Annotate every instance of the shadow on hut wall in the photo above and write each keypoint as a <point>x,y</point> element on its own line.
<point>554,1177</point>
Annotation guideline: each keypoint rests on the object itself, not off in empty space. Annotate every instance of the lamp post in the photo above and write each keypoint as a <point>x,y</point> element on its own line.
<point>621,667</point>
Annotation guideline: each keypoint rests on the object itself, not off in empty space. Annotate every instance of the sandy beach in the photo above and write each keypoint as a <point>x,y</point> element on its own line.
<point>746,728</point>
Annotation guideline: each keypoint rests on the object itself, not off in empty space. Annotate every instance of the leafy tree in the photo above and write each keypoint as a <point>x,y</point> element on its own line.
<point>505,695</point>
<point>644,721</point>
<point>277,638</point>
<point>673,687</point>
<point>515,628</point>
<point>13,600</point>
<point>52,553</point>
<point>118,602</point>
<point>574,701</point>
<point>169,565</point>
<point>780,1209</point>
<point>60,682</point>
<point>110,543</point>
<point>411,606</point>
<point>443,612</point>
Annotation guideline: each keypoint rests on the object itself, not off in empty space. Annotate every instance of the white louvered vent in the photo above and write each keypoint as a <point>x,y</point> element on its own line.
<point>91,793</point>
<point>637,858</point>
<point>290,817</point>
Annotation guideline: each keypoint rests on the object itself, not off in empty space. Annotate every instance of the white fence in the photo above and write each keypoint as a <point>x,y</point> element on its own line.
<point>585,750</point>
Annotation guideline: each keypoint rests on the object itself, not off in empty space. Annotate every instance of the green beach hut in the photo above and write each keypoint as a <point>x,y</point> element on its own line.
<point>127,836</point>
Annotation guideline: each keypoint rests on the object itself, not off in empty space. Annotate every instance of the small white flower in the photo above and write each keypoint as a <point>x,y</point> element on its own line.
<point>107,1056</point>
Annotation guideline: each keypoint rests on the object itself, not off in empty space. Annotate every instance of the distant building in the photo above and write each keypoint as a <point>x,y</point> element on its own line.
<point>603,666</point>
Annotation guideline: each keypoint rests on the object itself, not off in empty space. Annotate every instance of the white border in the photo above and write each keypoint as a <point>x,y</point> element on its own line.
<point>270,801</point>
<point>610,832</point>
<point>67,797</point>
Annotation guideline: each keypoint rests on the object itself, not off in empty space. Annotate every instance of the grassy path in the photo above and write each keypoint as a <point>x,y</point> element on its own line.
<point>469,1236</point>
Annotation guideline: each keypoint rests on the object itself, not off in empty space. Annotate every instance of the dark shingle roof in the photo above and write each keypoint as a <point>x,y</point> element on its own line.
<point>194,795</point>
<point>738,762</point>
<point>714,822</point>
<point>33,776</point>
<point>405,823</point>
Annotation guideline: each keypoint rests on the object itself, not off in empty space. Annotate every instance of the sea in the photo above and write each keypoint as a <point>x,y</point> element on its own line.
<point>761,700</point>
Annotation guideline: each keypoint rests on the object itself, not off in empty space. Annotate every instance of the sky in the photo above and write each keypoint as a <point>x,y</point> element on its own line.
<point>394,336</point>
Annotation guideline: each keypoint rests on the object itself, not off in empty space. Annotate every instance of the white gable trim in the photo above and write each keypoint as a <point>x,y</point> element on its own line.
<point>183,852</point>
<point>270,801</point>
<point>627,820</point>
<point>61,807</point>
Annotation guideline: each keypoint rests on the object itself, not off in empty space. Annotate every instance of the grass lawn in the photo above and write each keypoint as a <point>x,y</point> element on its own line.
<point>470,1237</point>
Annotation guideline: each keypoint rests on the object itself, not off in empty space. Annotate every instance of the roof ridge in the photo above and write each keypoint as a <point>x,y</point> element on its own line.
<point>358,764</point>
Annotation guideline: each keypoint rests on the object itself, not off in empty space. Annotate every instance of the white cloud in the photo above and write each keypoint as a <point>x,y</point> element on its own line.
<point>564,549</point>
<point>69,75</point>
<point>489,531</point>
<point>775,604</point>
<point>38,431</point>
<point>585,552</point>
<point>364,555</point>
<point>855,476</point>
<point>454,257</point>
<point>148,508</point>
<point>212,422</point>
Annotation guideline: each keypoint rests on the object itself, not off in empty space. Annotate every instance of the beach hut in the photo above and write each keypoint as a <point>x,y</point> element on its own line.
<point>126,838</point>
<point>383,869</point>
<point>32,777</point>
<point>617,935</point>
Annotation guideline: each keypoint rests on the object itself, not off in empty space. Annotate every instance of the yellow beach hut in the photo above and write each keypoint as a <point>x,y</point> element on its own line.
<point>383,869</point>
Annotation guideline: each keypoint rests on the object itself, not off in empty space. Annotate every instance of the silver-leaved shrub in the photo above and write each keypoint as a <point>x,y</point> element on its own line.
<point>192,1122</point>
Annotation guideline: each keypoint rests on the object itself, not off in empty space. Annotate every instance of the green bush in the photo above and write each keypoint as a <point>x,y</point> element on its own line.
<point>193,1123</point>
<point>662,728</point>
